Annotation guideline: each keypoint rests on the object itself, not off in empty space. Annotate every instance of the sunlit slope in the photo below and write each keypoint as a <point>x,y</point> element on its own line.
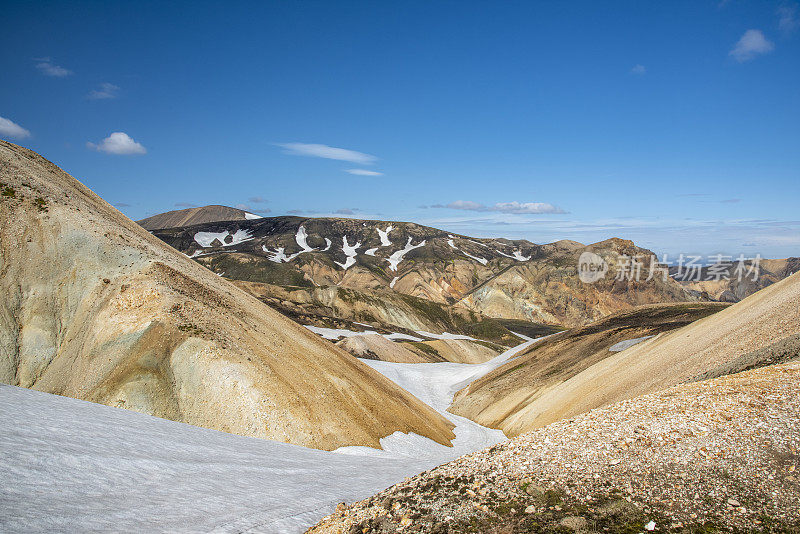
<point>96,308</point>
<point>504,397</point>
<point>758,321</point>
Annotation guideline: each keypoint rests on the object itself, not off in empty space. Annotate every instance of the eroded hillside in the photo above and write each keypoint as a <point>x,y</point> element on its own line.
<point>96,308</point>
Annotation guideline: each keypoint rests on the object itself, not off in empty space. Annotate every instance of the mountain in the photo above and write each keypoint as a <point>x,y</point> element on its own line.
<point>96,308</point>
<point>522,395</point>
<point>496,278</point>
<point>502,399</point>
<point>722,282</point>
<point>200,215</point>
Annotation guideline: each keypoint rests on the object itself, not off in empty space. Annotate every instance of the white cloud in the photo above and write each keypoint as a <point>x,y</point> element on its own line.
<point>638,69</point>
<point>525,207</point>
<point>13,130</point>
<point>364,172</point>
<point>752,44</point>
<point>503,207</point>
<point>118,143</point>
<point>47,68</point>
<point>104,92</point>
<point>328,152</point>
<point>787,18</point>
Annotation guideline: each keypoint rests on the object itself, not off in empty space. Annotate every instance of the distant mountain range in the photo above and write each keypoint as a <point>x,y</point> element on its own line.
<point>499,278</point>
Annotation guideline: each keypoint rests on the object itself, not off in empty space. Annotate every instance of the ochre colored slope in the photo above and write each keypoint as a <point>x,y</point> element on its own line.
<point>758,321</point>
<point>503,397</point>
<point>94,307</point>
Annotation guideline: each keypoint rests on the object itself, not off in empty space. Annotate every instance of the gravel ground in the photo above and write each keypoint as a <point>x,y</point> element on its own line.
<point>717,455</point>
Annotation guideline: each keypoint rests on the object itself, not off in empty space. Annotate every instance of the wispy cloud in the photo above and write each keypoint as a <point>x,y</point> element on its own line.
<point>364,172</point>
<point>9,128</point>
<point>122,204</point>
<point>788,20</point>
<point>105,91</point>
<point>48,68</point>
<point>638,69</point>
<point>185,205</point>
<point>118,143</point>
<point>248,208</point>
<point>750,45</point>
<point>327,152</point>
<point>731,201</point>
<point>528,208</point>
<point>257,200</point>
<point>773,238</point>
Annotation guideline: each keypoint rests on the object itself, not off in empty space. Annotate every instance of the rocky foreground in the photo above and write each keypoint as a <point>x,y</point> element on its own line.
<point>716,455</point>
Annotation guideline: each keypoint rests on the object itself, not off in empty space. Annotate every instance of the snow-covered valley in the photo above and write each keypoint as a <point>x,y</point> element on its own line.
<point>76,465</point>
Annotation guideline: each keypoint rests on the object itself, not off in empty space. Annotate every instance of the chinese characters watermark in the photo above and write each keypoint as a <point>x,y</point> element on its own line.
<point>686,268</point>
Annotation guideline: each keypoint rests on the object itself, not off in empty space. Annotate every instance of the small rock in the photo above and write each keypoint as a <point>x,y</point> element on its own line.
<point>574,522</point>
<point>650,526</point>
<point>615,461</point>
<point>533,489</point>
<point>530,509</point>
<point>734,502</point>
<point>406,521</point>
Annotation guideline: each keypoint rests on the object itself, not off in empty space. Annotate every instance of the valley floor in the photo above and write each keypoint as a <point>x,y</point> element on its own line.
<point>69,465</point>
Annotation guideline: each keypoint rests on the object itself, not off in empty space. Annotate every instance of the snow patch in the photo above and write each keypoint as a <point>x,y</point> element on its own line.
<point>177,477</point>
<point>482,261</point>
<point>204,239</point>
<point>335,333</point>
<point>396,257</point>
<point>327,245</point>
<point>622,345</point>
<point>372,251</point>
<point>394,281</point>
<point>435,384</point>
<point>301,236</point>
<point>252,216</point>
<point>444,335</point>
<point>278,255</point>
<point>384,235</point>
<point>350,252</point>
<point>516,256</point>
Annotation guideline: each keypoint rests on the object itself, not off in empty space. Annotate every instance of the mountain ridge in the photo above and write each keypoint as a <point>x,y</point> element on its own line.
<point>500,278</point>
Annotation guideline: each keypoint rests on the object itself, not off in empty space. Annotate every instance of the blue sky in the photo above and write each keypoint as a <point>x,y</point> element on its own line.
<point>675,124</point>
